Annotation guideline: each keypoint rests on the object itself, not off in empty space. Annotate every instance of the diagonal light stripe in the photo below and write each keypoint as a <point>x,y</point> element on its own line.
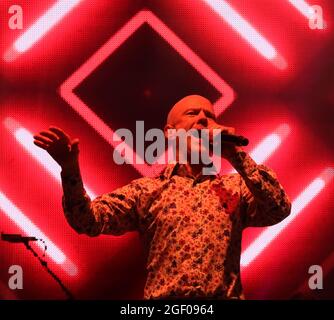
<point>247,31</point>
<point>25,138</point>
<point>44,23</point>
<point>41,27</point>
<point>269,144</point>
<point>266,147</point>
<point>270,233</point>
<point>303,7</point>
<point>26,225</point>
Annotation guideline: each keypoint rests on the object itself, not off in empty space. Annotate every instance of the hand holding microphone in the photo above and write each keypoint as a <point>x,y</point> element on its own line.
<point>227,135</point>
<point>230,142</point>
<point>232,138</point>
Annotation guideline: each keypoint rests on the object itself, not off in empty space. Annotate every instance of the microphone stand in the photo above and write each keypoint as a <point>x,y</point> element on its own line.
<point>54,276</point>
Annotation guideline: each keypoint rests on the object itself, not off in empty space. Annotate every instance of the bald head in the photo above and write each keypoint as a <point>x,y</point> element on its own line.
<point>188,102</point>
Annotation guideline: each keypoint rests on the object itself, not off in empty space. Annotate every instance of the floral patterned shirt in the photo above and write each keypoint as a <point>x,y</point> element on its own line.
<point>190,226</point>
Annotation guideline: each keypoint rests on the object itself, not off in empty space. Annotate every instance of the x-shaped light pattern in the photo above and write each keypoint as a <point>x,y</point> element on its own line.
<point>265,148</point>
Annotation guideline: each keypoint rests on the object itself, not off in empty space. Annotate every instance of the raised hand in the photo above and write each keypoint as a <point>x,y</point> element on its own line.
<point>59,145</point>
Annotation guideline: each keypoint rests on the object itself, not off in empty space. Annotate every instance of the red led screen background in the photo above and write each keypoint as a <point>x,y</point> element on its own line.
<point>104,64</point>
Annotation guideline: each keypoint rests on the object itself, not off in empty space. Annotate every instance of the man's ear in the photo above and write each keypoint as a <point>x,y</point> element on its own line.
<point>167,126</point>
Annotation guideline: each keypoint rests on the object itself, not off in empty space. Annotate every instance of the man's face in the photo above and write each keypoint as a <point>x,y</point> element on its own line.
<point>192,112</point>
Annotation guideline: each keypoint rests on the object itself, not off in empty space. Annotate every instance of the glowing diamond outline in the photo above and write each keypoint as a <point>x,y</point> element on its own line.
<point>114,42</point>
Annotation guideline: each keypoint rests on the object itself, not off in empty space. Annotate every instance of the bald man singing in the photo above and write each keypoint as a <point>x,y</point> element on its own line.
<point>190,223</point>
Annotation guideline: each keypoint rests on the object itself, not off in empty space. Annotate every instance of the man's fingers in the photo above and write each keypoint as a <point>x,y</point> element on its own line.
<point>231,130</point>
<point>223,130</point>
<point>60,133</point>
<point>75,146</point>
<point>52,136</point>
<point>44,140</point>
<point>228,130</point>
<point>75,142</point>
<point>41,145</point>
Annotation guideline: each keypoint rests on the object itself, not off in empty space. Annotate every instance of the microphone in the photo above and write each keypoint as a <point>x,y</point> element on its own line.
<point>16,238</point>
<point>226,137</point>
<point>237,140</point>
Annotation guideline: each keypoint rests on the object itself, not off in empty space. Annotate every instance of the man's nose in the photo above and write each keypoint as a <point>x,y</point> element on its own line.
<point>202,119</point>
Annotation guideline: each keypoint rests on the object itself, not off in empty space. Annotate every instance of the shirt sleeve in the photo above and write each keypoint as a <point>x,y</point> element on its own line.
<point>112,213</point>
<point>263,198</point>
